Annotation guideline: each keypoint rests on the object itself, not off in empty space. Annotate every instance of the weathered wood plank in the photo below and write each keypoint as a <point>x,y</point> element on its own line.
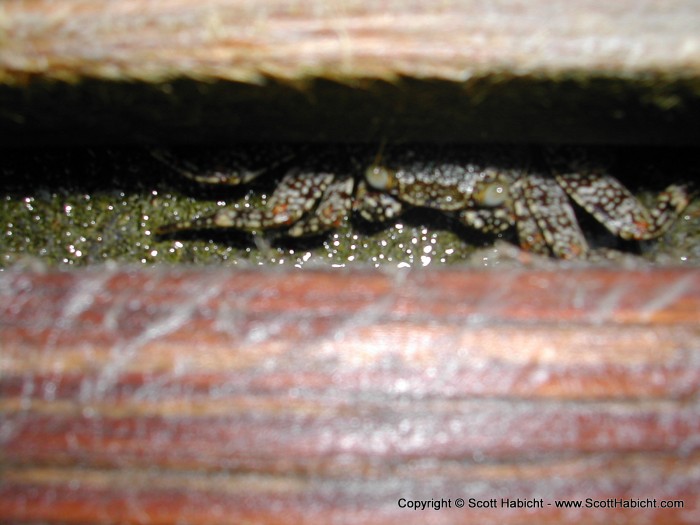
<point>353,39</point>
<point>226,70</point>
<point>204,396</point>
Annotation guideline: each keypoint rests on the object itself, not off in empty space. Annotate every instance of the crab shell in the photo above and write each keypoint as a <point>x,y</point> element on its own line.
<point>538,205</point>
<point>486,197</point>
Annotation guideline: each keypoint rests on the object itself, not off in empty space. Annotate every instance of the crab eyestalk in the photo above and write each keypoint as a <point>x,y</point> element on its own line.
<point>380,177</point>
<point>492,195</point>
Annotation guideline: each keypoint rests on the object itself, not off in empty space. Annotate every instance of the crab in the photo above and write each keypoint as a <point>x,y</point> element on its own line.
<point>488,196</point>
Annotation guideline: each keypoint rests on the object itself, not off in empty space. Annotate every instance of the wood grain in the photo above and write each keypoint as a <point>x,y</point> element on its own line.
<point>455,70</point>
<point>349,39</point>
<point>211,396</point>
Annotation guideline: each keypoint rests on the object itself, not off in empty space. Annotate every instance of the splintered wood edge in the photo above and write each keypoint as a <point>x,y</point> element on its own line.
<point>190,395</point>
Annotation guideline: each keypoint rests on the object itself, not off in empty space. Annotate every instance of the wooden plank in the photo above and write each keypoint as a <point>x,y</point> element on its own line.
<point>226,70</point>
<point>208,396</point>
<point>286,39</point>
<point>354,39</point>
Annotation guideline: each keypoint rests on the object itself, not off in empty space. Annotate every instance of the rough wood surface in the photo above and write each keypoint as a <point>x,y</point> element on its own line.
<point>351,70</point>
<point>352,39</point>
<point>212,396</point>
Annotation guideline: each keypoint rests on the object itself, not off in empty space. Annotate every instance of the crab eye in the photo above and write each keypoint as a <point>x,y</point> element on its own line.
<point>493,194</point>
<point>380,178</point>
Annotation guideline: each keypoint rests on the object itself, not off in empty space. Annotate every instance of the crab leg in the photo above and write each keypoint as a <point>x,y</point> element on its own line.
<point>488,220</point>
<point>546,219</point>
<point>223,167</point>
<point>374,205</point>
<point>333,208</point>
<point>296,195</point>
<point>618,210</point>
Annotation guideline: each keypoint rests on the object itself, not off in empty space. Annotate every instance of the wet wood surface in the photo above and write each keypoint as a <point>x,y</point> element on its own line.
<point>214,396</point>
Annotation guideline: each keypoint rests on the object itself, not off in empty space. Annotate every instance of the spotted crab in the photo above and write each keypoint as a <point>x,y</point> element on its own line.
<point>486,195</point>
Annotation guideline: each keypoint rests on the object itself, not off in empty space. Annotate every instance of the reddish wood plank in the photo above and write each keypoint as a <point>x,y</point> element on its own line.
<point>145,497</point>
<point>209,395</point>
